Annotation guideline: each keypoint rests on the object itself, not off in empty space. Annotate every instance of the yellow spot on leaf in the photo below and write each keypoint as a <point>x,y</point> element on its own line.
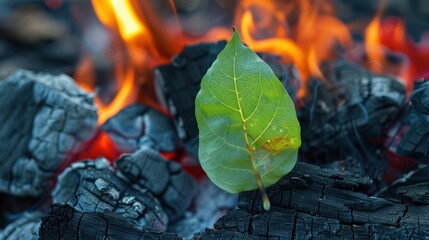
<point>278,144</point>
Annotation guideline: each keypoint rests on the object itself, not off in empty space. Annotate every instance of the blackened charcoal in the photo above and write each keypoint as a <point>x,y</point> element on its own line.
<point>65,222</point>
<point>92,186</point>
<point>415,126</point>
<point>26,227</point>
<point>209,205</point>
<point>138,125</point>
<point>312,202</point>
<point>179,82</point>
<point>412,186</point>
<point>146,169</point>
<point>211,234</point>
<point>342,118</point>
<point>126,127</point>
<point>160,133</point>
<point>45,120</point>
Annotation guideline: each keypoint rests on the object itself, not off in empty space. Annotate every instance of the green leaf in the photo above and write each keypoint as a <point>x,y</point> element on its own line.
<point>249,134</point>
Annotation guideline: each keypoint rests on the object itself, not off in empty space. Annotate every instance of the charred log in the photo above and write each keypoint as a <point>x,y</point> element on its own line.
<point>312,202</point>
<point>65,222</point>
<point>209,205</point>
<point>138,125</point>
<point>26,227</point>
<point>344,118</point>
<point>146,170</point>
<point>92,186</point>
<point>45,119</point>
<point>414,129</point>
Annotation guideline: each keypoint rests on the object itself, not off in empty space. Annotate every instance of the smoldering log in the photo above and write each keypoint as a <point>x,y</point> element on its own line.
<point>138,125</point>
<point>147,170</point>
<point>414,129</point>
<point>312,202</point>
<point>93,186</point>
<point>126,127</point>
<point>45,120</point>
<point>209,204</point>
<point>344,118</point>
<point>65,222</point>
<point>26,227</point>
<point>179,82</point>
<point>412,186</point>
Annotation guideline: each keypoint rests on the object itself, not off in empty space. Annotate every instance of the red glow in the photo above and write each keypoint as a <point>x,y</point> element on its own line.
<point>101,146</point>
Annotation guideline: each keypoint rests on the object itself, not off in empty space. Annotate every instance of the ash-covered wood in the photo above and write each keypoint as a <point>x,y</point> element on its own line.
<point>138,125</point>
<point>45,120</point>
<point>93,186</point>
<point>146,170</point>
<point>312,202</point>
<point>179,82</point>
<point>26,227</point>
<point>64,222</point>
<point>209,205</point>
<point>414,129</point>
<point>347,117</point>
<point>126,127</point>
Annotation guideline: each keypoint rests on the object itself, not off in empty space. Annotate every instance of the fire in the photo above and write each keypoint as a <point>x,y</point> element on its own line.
<point>138,46</point>
<point>305,33</point>
<point>305,38</point>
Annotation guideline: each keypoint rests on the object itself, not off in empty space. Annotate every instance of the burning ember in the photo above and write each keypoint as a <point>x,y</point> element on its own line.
<point>117,142</point>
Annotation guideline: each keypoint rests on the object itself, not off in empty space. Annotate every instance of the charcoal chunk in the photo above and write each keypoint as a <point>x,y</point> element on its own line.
<point>26,227</point>
<point>92,186</point>
<point>179,82</point>
<point>65,222</point>
<point>138,125</point>
<point>343,118</point>
<point>147,169</point>
<point>332,205</point>
<point>414,128</point>
<point>126,127</point>
<point>45,121</point>
<point>210,204</point>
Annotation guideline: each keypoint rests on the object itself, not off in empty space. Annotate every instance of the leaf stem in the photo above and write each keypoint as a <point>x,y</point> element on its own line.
<point>265,199</point>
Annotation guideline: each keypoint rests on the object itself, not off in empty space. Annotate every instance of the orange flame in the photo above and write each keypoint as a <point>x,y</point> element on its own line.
<point>388,35</point>
<point>141,44</point>
<point>373,46</point>
<point>305,42</point>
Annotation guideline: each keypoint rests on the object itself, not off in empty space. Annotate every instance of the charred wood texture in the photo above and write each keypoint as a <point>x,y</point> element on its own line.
<point>138,125</point>
<point>92,186</point>
<point>414,129</point>
<point>64,222</point>
<point>209,204</point>
<point>147,170</point>
<point>179,82</point>
<point>26,227</point>
<point>343,119</point>
<point>45,120</point>
<point>316,203</point>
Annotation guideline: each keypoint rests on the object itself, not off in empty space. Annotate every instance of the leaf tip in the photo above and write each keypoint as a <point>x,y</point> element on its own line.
<point>234,29</point>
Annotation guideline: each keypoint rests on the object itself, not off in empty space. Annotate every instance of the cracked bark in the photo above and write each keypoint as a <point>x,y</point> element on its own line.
<point>137,125</point>
<point>64,222</point>
<point>346,211</point>
<point>147,169</point>
<point>93,186</point>
<point>45,119</point>
<point>343,116</point>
